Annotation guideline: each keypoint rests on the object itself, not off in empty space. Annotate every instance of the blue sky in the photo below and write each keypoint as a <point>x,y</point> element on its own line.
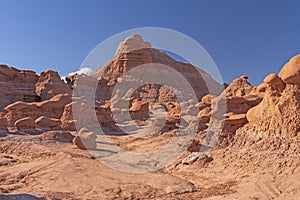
<point>253,37</point>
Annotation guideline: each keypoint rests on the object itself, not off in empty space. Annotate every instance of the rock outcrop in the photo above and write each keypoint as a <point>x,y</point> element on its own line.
<point>139,110</point>
<point>47,122</point>
<point>275,82</point>
<point>3,122</point>
<point>17,85</point>
<point>52,108</point>
<point>26,123</point>
<point>278,113</point>
<point>290,73</point>
<point>67,120</point>
<point>134,52</point>
<point>132,43</point>
<point>240,97</point>
<point>85,139</point>
<point>50,84</point>
<point>44,102</point>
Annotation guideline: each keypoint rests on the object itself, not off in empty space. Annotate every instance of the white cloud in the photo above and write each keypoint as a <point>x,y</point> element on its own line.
<point>83,70</point>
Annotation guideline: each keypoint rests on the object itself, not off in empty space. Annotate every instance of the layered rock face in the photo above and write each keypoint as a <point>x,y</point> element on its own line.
<point>17,85</point>
<point>132,43</point>
<point>29,101</point>
<point>240,97</point>
<point>113,71</point>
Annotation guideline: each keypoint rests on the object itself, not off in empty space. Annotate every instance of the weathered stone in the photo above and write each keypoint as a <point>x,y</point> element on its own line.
<point>47,122</point>
<point>26,123</point>
<point>290,73</point>
<point>274,81</point>
<point>50,84</point>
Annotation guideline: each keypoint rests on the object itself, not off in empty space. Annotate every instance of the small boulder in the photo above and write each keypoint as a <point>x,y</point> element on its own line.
<point>194,157</point>
<point>85,140</point>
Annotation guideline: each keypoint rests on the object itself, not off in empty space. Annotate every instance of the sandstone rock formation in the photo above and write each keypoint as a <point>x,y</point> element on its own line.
<point>85,140</point>
<point>50,84</point>
<point>123,63</point>
<point>267,107</point>
<point>52,108</point>
<point>139,110</point>
<point>275,82</point>
<point>278,113</point>
<point>47,122</point>
<point>21,93</point>
<point>234,121</point>
<point>26,123</point>
<point>240,97</point>
<point>17,85</point>
<point>67,121</point>
<point>71,80</point>
<point>134,52</point>
<point>3,122</point>
<point>229,109</point>
<point>132,43</point>
<point>290,73</point>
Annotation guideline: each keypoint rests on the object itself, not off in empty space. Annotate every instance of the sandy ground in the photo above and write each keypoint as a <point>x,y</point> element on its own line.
<point>58,170</point>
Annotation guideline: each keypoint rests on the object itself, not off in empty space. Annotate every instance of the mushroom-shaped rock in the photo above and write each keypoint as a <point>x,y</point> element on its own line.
<point>47,122</point>
<point>290,73</point>
<point>274,81</point>
<point>25,123</point>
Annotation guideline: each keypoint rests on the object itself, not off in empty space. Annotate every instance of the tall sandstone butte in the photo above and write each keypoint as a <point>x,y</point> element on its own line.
<point>134,52</point>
